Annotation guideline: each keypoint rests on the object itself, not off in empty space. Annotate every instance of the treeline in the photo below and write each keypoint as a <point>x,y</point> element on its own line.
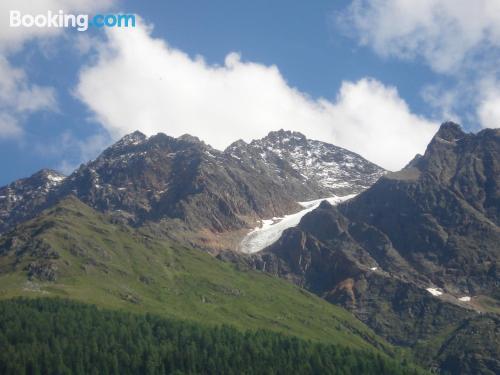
<point>52,336</point>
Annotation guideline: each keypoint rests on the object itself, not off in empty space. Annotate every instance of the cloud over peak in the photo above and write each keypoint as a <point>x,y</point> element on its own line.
<point>139,82</point>
<point>459,39</point>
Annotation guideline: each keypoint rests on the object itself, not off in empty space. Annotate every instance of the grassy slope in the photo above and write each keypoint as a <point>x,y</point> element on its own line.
<point>114,266</point>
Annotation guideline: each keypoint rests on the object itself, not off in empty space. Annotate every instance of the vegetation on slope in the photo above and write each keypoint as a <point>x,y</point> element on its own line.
<point>53,336</point>
<point>74,252</point>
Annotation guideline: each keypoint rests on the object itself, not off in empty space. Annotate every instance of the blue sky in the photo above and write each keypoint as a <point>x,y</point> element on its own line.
<point>369,78</point>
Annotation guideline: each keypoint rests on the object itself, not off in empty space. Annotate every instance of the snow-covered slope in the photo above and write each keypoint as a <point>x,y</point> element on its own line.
<point>335,170</point>
<point>270,230</point>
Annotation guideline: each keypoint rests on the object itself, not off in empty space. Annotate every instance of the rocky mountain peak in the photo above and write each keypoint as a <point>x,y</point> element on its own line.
<point>48,176</point>
<point>337,171</point>
<point>136,146</point>
<point>19,199</point>
<point>240,143</point>
<point>125,144</point>
<point>42,181</point>
<point>427,237</point>
<point>155,179</point>
<point>450,131</point>
<point>325,205</point>
<point>131,139</point>
<point>284,136</point>
<point>191,139</point>
<point>413,162</point>
<point>465,161</point>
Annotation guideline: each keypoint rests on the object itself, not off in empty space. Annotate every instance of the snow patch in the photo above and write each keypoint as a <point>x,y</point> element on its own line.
<point>374,268</point>
<point>434,291</point>
<point>210,154</point>
<point>53,178</point>
<point>270,230</point>
<point>332,200</point>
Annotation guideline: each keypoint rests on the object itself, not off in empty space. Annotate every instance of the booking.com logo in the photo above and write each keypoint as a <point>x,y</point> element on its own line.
<point>79,21</point>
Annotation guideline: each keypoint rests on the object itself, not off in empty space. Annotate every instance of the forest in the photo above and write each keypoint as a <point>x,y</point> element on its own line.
<point>57,336</point>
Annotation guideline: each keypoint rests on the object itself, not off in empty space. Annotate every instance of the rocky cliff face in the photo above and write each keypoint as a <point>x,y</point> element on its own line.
<point>441,215</point>
<point>20,199</point>
<point>414,254</point>
<point>183,185</point>
<point>150,179</point>
<point>472,348</point>
<point>331,170</point>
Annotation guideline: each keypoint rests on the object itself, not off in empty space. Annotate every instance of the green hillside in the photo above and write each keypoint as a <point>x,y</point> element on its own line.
<point>74,252</point>
<point>54,336</point>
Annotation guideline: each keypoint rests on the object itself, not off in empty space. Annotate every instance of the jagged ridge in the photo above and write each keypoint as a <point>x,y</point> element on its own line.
<point>416,253</point>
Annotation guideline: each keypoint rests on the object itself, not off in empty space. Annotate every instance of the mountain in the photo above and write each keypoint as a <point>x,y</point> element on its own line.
<point>184,189</point>
<point>414,256</point>
<point>330,169</point>
<point>161,177</point>
<point>73,251</point>
<point>99,236</point>
<point>472,348</point>
<point>20,199</point>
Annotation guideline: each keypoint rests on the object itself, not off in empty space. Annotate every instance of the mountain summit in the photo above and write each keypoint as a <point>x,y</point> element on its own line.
<point>21,199</point>
<point>182,186</point>
<point>331,169</point>
<point>415,253</point>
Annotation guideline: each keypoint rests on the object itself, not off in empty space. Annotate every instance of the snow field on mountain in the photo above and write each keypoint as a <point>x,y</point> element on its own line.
<point>270,230</point>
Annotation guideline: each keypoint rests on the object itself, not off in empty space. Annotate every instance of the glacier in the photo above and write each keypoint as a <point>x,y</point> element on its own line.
<point>270,230</point>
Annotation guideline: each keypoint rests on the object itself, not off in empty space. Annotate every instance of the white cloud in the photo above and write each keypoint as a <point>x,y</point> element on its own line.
<point>372,119</point>
<point>12,38</point>
<point>445,33</point>
<point>139,82</point>
<point>81,149</point>
<point>19,97</point>
<point>445,102</point>
<point>9,128</point>
<point>74,149</point>
<point>460,38</point>
<point>489,107</point>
